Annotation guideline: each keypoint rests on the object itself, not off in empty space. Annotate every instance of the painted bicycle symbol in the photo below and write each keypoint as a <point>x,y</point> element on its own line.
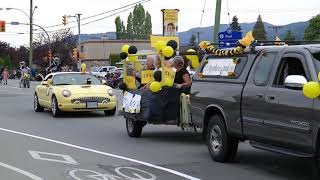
<point>122,173</point>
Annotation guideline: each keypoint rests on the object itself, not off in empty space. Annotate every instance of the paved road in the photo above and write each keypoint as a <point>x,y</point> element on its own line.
<point>91,146</point>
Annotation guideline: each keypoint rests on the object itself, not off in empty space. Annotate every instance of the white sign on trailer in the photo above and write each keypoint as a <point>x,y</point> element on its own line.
<point>219,67</point>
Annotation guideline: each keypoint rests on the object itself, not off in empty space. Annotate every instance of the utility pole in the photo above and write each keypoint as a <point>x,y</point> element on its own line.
<point>79,40</point>
<point>276,29</point>
<point>217,21</point>
<point>31,34</point>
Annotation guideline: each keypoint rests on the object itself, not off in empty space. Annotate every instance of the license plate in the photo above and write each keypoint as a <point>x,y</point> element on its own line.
<point>92,105</point>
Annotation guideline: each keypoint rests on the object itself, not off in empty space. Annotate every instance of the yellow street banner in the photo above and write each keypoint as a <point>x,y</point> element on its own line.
<point>170,22</point>
<point>169,75</point>
<point>155,39</point>
<point>147,76</point>
<point>130,82</point>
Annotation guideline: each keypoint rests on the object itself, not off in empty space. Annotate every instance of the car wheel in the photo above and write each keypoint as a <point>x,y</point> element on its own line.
<point>36,106</point>
<point>111,112</point>
<point>222,147</point>
<point>56,112</point>
<point>134,128</point>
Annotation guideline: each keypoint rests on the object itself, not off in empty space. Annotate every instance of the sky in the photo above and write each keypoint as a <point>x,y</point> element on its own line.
<point>277,12</point>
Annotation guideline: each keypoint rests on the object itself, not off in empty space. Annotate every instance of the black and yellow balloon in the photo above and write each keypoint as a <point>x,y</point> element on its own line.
<point>193,58</point>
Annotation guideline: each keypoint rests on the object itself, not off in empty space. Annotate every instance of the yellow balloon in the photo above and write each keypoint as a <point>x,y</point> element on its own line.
<point>160,45</point>
<point>190,56</point>
<point>167,51</point>
<point>133,58</point>
<point>155,86</point>
<point>83,67</point>
<point>319,76</point>
<point>311,89</point>
<point>125,48</point>
<point>195,62</point>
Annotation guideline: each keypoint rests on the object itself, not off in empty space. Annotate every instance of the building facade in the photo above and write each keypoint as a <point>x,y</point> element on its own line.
<point>98,51</point>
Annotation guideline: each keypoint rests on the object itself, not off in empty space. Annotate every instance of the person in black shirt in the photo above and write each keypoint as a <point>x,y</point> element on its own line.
<point>182,78</point>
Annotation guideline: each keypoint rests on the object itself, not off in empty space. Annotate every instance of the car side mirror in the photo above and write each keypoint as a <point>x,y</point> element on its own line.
<point>295,82</point>
<point>104,82</point>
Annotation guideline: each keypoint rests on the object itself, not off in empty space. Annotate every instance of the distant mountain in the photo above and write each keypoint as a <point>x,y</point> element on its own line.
<point>206,33</point>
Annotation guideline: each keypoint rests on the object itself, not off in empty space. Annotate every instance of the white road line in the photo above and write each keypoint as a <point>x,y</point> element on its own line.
<point>66,158</point>
<point>103,153</point>
<point>20,171</point>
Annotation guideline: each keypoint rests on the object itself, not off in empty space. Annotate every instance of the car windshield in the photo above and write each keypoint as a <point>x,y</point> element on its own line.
<point>95,69</point>
<point>74,79</point>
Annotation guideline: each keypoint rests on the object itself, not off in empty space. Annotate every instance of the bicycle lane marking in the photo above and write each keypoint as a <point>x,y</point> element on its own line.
<point>103,153</point>
<point>20,171</point>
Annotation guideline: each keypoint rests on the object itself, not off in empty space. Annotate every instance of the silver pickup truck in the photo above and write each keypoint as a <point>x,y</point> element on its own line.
<point>259,98</point>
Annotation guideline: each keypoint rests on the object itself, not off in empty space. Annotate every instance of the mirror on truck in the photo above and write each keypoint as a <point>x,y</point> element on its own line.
<point>295,81</point>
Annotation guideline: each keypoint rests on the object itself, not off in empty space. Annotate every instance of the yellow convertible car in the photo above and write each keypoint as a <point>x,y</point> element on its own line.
<point>73,92</point>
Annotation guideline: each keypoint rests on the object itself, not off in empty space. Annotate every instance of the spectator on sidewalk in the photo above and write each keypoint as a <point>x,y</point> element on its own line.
<point>5,76</point>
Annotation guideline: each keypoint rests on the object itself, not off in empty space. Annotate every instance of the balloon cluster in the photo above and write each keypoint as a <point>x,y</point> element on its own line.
<point>156,86</point>
<point>126,50</point>
<point>167,49</point>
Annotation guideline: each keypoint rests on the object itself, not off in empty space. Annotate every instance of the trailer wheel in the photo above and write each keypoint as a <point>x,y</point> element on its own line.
<point>134,128</point>
<point>222,147</point>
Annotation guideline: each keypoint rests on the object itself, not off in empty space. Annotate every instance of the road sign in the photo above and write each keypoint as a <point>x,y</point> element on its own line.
<point>14,23</point>
<point>228,38</point>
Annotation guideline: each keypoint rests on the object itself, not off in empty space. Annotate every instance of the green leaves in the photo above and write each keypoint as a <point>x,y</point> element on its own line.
<point>139,25</point>
<point>312,32</point>
<point>259,32</point>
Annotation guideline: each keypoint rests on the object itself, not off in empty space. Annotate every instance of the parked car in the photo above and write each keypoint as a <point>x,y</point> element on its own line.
<point>257,96</point>
<point>103,71</point>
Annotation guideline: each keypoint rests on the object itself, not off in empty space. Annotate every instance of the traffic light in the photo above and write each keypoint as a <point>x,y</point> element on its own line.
<point>75,54</point>
<point>64,20</point>
<point>49,55</point>
<point>2,26</point>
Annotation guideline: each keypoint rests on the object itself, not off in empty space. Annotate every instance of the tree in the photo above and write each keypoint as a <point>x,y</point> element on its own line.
<point>289,36</point>
<point>130,27</point>
<point>312,32</point>
<point>147,26</point>
<point>259,32</point>
<point>139,25</point>
<point>235,26</point>
<point>192,41</point>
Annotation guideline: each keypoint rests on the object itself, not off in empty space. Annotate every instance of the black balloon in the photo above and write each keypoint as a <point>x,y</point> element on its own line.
<point>157,76</point>
<point>173,44</point>
<point>123,55</point>
<point>122,86</point>
<point>132,50</point>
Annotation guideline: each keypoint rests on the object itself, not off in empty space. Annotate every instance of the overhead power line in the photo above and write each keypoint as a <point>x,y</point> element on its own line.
<point>109,11</point>
<point>90,22</point>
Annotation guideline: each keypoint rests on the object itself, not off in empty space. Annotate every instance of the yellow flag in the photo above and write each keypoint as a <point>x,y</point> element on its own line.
<point>147,77</point>
<point>130,82</point>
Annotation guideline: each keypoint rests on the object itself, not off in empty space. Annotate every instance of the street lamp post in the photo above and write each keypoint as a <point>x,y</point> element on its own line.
<point>30,17</point>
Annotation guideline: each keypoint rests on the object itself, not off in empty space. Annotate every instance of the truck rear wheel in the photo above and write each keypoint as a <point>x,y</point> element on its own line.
<point>222,147</point>
<point>134,128</point>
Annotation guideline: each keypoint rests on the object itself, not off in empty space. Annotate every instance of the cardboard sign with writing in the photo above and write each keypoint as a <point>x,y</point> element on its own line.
<point>147,76</point>
<point>130,82</point>
<point>169,75</point>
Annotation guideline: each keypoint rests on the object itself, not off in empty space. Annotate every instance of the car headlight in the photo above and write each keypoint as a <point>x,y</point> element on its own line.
<point>66,93</point>
<point>110,92</point>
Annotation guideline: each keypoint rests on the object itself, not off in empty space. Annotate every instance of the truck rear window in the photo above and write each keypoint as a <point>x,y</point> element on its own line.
<point>224,67</point>
<point>316,56</point>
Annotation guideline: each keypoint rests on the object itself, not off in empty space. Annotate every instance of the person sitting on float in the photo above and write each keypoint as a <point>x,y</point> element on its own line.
<point>182,78</point>
<point>148,66</point>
